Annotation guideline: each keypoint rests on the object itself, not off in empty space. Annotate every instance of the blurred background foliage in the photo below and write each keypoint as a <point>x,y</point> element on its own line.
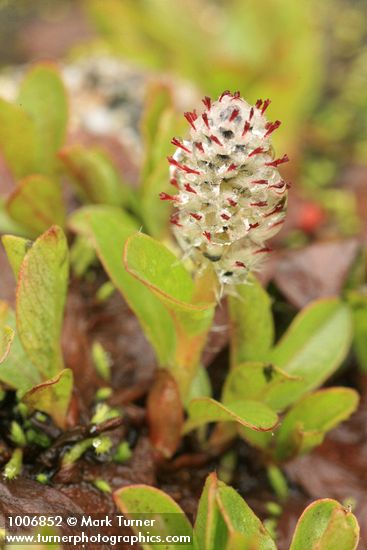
<point>258,47</point>
<point>309,57</point>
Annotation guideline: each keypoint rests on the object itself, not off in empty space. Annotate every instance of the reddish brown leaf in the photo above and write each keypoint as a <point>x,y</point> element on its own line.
<point>165,414</point>
<point>316,271</point>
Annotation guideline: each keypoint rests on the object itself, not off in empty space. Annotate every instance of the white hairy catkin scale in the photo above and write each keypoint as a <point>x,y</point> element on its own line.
<point>231,198</point>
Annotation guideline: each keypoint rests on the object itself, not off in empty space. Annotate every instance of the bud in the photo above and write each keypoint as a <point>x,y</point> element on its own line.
<point>231,198</point>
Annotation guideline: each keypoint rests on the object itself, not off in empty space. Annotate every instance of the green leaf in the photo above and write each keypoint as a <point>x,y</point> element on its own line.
<point>158,102</point>
<point>6,339</point>
<point>240,519</point>
<point>95,177</point>
<point>326,525</point>
<point>259,382</point>
<point>41,291</point>
<point>160,270</point>
<point>252,327</point>
<point>224,520</point>
<point>156,182</point>
<point>305,425</point>
<point>201,385</point>
<point>163,274</point>
<point>159,124</point>
<point>16,248</point>
<point>252,414</point>
<point>16,370</point>
<point>36,204</point>
<point>144,502</point>
<point>7,225</point>
<point>259,440</point>
<point>82,256</point>
<point>358,302</point>
<point>109,229</point>
<point>42,95</point>
<point>52,397</point>
<point>17,140</point>
<point>238,541</point>
<point>210,529</point>
<point>314,346</point>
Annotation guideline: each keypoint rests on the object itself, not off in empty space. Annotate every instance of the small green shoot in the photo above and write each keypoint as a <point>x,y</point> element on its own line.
<point>102,361</point>
<point>76,452</point>
<point>102,444</point>
<point>104,412</point>
<point>105,291</point>
<point>102,485</point>
<point>123,453</point>
<point>17,434</point>
<point>43,479</point>
<point>13,468</point>
<point>103,393</point>
<point>278,482</point>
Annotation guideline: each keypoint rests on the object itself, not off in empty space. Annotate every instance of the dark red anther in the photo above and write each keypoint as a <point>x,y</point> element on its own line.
<point>199,146</point>
<point>191,117</point>
<point>173,162</point>
<point>178,143</point>
<point>246,128</point>
<point>183,167</point>
<point>271,126</point>
<point>280,222</point>
<point>265,105</point>
<point>196,216</point>
<point>278,208</point>
<point>260,182</point>
<point>282,186</point>
<point>174,182</point>
<point>251,113</point>
<point>226,92</point>
<point>225,217</point>
<point>232,167</point>
<point>207,235</point>
<point>240,264</point>
<point>260,203</point>
<point>204,116</point>
<point>254,225</point>
<point>231,202</point>
<point>276,162</point>
<point>258,103</point>
<point>256,151</point>
<point>236,95</point>
<point>174,220</point>
<point>278,185</point>
<point>234,114</point>
<point>216,140</point>
<point>189,188</point>
<point>167,197</point>
<point>262,250</point>
<point>190,170</point>
<point>207,102</point>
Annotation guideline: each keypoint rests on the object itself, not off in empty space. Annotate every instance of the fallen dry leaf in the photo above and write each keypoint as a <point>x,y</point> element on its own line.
<point>316,271</point>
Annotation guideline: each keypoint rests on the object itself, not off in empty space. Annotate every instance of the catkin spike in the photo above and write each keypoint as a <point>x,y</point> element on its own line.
<point>231,198</point>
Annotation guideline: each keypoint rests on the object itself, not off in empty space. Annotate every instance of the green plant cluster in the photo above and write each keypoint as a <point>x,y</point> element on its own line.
<point>224,520</point>
<point>271,396</point>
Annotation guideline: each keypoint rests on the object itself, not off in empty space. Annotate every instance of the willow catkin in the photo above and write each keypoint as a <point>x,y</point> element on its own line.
<point>231,198</point>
